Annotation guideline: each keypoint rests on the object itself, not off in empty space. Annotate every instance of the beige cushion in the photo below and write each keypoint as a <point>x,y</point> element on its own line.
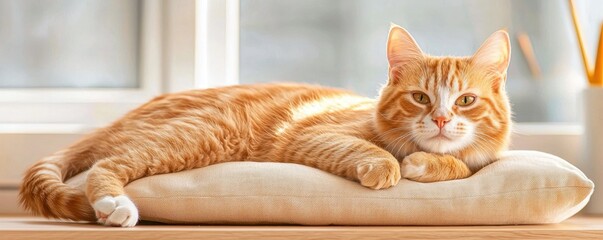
<point>523,187</point>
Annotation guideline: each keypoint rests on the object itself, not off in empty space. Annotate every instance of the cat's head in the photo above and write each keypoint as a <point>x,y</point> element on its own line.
<point>452,105</point>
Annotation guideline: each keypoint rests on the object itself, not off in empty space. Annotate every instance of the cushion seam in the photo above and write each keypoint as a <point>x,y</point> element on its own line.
<point>363,197</point>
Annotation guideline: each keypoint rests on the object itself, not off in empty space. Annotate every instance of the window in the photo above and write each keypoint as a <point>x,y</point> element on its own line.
<point>69,44</point>
<point>70,64</point>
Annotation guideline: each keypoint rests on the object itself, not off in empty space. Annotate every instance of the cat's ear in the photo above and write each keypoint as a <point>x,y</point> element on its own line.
<point>495,53</point>
<point>401,47</point>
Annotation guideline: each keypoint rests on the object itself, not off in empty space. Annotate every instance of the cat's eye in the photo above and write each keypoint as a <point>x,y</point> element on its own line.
<point>465,100</point>
<point>420,97</point>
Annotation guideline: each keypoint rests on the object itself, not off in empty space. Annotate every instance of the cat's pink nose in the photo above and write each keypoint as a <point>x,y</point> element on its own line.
<point>440,121</point>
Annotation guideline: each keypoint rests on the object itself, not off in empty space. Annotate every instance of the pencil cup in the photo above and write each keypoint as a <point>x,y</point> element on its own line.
<point>592,155</point>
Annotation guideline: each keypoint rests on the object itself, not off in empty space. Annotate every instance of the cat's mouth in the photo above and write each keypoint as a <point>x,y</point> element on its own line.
<point>441,136</point>
<point>440,143</point>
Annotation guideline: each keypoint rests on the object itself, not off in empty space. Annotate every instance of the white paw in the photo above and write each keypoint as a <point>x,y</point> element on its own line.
<point>412,169</point>
<point>116,211</point>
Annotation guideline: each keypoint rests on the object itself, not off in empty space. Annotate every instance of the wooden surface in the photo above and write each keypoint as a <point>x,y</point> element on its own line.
<point>36,228</point>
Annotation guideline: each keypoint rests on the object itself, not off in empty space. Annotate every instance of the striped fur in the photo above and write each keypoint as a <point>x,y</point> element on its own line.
<point>334,130</point>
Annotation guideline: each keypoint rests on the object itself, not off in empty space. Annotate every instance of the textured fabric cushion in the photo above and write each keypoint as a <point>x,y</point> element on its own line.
<point>523,187</point>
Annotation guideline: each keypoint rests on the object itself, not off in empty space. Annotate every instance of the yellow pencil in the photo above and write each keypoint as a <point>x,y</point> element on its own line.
<point>528,52</point>
<point>598,76</point>
<point>589,72</point>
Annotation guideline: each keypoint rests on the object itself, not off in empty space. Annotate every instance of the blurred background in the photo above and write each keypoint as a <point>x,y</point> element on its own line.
<point>341,43</point>
<point>69,66</point>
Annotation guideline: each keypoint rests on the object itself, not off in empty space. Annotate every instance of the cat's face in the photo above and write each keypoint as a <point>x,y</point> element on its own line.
<point>452,105</point>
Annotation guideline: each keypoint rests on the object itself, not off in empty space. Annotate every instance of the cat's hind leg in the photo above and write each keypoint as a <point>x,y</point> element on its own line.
<point>116,211</point>
<point>107,178</point>
<point>105,191</point>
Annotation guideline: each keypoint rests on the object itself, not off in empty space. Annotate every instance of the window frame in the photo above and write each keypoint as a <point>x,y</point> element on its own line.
<point>216,43</point>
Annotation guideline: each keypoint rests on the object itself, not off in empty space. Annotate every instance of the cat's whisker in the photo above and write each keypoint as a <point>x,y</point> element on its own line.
<point>402,146</point>
<point>398,139</point>
<point>486,137</point>
<point>480,152</point>
<point>488,147</point>
<point>383,134</point>
<point>483,148</point>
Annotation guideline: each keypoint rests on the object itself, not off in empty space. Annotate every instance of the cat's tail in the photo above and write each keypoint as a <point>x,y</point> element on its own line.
<point>44,193</point>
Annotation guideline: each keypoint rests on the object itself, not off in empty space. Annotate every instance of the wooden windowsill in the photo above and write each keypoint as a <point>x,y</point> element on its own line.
<point>581,227</point>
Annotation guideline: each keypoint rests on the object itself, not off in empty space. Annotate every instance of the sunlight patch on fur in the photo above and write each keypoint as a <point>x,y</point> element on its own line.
<point>329,104</point>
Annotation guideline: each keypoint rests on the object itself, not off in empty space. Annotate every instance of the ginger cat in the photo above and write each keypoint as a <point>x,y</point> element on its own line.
<point>438,118</point>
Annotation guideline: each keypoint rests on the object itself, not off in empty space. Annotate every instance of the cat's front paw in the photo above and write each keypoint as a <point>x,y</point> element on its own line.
<point>117,211</point>
<point>414,166</point>
<point>379,173</point>
<point>428,167</point>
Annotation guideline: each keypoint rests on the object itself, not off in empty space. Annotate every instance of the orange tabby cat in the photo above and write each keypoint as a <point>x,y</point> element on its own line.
<point>442,117</point>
